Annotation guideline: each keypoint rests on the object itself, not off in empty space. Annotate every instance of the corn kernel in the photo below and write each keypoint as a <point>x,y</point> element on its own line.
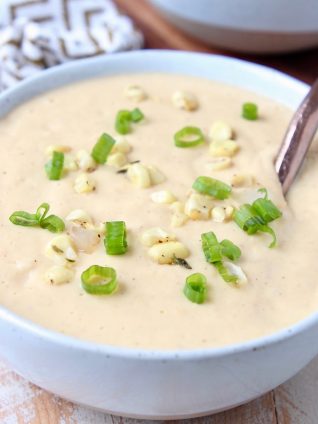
<point>85,161</point>
<point>220,163</point>
<point>185,100</point>
<point>226,148</point>
<point>61,249</point>
<point>138,174</point>
<point>135,93</point>
<point>57,148</point>
<point>198,206</point>
<point>121,146</point>
<point>229,210</point>
<point>86,238</point>
<point>164,253</point>
<point>242,180</point>
<point>84,183</point>
<point>220,131</point>
<point>59,274</point>
<point>70,163</point>
<point>179,218</point>
<point>163,196</point>
<point>117,160</point>
<point>80,217</point>
<point>156,176</point>
<point>156,235</point>
<point>218,214</point>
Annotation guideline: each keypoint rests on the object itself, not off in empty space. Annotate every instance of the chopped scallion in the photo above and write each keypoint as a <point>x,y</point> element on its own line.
<point>102,148</point>
<point>214,253</point>
<point>115,240</point>
<point>188,137</point>
<point>54,167</point>
<point>52,223</point>
<point>125,118</point>
<point>99,280</point>
<point>266,209</point>
<point>195,288</point>
<point>230,250</point>
<point>212,187</point>
<point>256,217</point>
<point>137,115</point>
<point>250,111</point>
<point>123,121</point>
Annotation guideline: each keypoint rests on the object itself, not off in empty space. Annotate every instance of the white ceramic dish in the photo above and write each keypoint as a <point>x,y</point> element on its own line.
<point>157,384</point>
<point>265,26</point>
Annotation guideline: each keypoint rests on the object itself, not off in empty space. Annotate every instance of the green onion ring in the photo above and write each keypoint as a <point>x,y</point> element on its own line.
<point>250,111</point>
<point>188,137</point>
<point>195,288</point>
<point>99,280</point>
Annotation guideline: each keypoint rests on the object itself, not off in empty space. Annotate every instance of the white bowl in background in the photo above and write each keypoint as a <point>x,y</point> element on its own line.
<point>145,383</point>
<point>263,26</point>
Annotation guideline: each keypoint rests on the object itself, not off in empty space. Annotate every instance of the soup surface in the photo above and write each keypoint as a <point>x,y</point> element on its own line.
<point>149,308</point>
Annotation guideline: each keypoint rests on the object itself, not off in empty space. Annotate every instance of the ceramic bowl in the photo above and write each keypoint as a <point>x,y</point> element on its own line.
<point>265,26</point>
<point>145,383</point>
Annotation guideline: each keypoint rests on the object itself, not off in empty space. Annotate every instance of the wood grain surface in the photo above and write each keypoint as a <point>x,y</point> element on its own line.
<point>295,402</point>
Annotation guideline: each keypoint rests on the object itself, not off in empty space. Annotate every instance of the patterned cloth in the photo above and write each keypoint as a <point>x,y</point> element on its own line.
<point>37,34</point>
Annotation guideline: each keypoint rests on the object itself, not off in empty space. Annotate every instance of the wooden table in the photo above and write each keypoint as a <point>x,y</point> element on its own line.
<point>295,402</point>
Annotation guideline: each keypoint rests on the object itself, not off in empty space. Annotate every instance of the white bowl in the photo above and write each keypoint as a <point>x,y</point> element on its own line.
<point>157,384</point>
<point>265,26</point>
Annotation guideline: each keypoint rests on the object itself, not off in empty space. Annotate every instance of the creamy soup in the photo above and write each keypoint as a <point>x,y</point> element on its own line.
<point>149,308</point>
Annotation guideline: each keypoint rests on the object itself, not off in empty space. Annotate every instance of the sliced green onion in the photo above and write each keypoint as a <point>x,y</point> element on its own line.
<point>102,148</point>
<point>212,187</point>
<point>266,209</point>
<point>255,217</point>
<point>123,121</point>
<point>52,223</point>
<point>215,251</point>
<point>54,167</point>
<point>115,240</point>
<point>188,137</point>
<point>99,280</point>
<point>211,247</point>
<point>230,250</point>
<point>24,218</point>
<point>137,115</point>
<point>247,219</point>
<point>225,274</point>
<point>250,111</point>
<point>125,118</point>
<point>195,288</point>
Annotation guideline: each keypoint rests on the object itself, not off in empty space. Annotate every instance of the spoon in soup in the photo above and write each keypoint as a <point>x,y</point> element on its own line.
<point>298,138</point>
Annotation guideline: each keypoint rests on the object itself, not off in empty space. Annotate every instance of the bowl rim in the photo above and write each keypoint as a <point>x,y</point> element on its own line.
<point>43,333</point>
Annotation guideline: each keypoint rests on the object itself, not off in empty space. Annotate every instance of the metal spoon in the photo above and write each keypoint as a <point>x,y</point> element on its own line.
<point>298,138</point>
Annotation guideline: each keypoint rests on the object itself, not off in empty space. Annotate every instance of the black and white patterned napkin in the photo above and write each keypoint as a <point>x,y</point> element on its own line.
<point>37,34</point>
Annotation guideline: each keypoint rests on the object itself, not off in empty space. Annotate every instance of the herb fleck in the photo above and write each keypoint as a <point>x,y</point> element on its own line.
<point>181,262</point>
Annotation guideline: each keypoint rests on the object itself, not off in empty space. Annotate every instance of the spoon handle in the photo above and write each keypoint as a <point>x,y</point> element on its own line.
<point>298,138</point>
